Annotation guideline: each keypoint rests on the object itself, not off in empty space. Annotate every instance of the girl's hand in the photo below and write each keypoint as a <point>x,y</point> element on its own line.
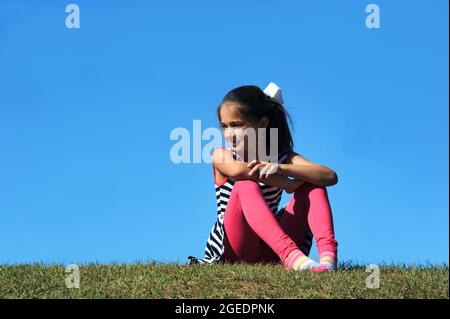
<point>270,178</point>
<point>264,168</point>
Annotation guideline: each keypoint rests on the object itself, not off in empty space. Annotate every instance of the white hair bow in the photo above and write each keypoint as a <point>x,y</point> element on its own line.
<point>274,91</point>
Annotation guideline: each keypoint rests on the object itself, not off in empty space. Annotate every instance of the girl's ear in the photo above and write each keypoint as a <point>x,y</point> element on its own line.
<point>263,121</point>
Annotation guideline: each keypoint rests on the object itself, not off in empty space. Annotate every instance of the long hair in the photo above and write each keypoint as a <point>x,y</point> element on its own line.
<point>253,104</point>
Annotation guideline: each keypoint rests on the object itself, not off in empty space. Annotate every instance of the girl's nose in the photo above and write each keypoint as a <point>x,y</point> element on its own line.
<point>229,135</point>
<point>227,132</point>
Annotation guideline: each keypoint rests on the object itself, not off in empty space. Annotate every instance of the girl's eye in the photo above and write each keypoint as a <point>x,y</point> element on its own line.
<point>233,125</point>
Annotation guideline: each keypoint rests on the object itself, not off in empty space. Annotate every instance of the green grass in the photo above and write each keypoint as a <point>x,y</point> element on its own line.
<point>155,280</point>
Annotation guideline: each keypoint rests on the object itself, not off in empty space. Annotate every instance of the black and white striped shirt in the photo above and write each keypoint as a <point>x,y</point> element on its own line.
<point>214,246</point>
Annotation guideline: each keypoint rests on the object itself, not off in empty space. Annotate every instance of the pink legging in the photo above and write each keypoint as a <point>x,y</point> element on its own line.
<point>252,234</point>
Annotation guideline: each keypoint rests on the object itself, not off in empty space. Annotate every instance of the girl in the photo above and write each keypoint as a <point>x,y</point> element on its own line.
<point>249,226</point>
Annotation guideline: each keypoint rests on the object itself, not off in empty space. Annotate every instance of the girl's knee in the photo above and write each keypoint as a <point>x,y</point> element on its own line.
<point>309,188</point>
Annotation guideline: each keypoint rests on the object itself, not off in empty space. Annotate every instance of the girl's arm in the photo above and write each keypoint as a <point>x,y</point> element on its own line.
<point>223,160</point>
<point>225,163</point>
<point>300,168</point>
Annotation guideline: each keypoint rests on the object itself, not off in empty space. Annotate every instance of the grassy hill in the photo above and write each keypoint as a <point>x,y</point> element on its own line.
<point>155,280</point>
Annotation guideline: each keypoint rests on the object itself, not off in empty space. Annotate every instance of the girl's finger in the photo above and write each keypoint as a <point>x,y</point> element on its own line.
<point>256,167</point>
<point>263,171</point>
<point>272,169</point>
<point>267,172</point>
<point>252,163</point>
<point>252,170</point>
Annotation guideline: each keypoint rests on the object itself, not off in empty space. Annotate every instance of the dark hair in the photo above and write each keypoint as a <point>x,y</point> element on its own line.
<point>253,104</point>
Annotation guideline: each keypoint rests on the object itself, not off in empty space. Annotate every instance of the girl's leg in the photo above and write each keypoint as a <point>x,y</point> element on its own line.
<point>309,208</point>
<point>247,220</point>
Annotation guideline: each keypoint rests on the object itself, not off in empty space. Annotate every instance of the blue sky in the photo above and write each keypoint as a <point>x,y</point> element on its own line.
<point>86,115</point>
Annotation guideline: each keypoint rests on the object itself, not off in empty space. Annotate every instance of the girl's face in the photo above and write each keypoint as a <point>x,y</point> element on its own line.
<point>235,127</point>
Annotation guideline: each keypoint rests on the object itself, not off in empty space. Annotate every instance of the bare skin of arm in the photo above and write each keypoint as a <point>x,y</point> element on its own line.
<point>299,168</point>
<point>226,165</point>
